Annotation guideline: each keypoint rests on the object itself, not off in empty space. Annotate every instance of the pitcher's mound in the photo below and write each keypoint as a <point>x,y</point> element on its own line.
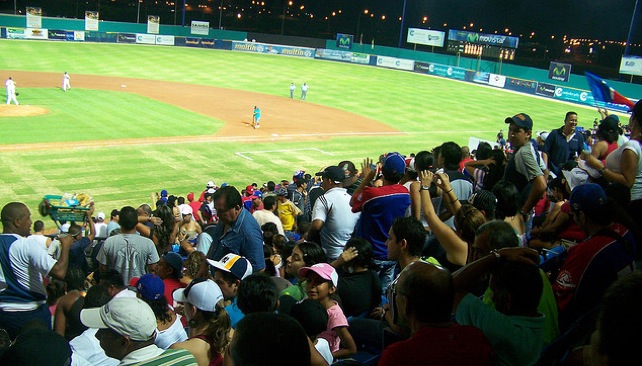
<point>21,110</point>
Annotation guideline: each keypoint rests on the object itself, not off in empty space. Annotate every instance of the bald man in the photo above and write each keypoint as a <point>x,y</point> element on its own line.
<point>24,262</point>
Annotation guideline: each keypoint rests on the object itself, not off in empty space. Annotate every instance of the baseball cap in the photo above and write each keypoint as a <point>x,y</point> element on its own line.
<point>114,212</point>
<point>483,200</point>
<point>203,294</point>
<point>249,189</point>
<point>164,193</point>
<point>610,123</point>
<point>175,261</point>
<point>334,173</point>
<point>522,120</point>
<point>210,184</point>
<point>239,266</point>
<point>594,173</point>
<point>257,194</point>
<point>150,286</point>
<point>394,163</point>
<point>587,197</point>
<point>348,168</point>
<point>326,271</point>
<point>190,196</point>
<point>65,227</point>
<point>100,216</point>
<point>298,174</point>
<point>543,135</point>
<point>575,177</point>
<point>186,210</point>
<point>282,191</point>
<point>128,316</point>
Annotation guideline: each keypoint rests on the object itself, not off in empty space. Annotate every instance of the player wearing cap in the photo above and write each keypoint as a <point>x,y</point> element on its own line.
<point>127,329</point>
<point>522,169</point>
<point>332,218</point>
<point>592,265</point>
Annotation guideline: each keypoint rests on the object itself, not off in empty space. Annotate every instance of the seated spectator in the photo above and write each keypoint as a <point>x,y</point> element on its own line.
<point>196,266</point>
<point>228,274</point>
<point>85,348</point>
<point>359,285</point>
<point>37,346</point>
<point>314,319</point>
<point>127,328</point>
<point>170,270</point>
<point>321,284</point>
<point>257,293</point>
<point>209,324</point>
<point>67,317</point>
<point>269,339</point>
<point>304,254</point>
<point>593,264</point>
<point>507,208</point>
<point>169,328</point>
<point>424,297</point>
<point>514,327</point>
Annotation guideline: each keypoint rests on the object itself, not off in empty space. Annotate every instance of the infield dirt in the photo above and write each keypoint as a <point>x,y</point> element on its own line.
<point>281,117</point>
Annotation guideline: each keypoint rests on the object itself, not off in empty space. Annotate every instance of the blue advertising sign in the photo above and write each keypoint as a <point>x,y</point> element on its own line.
<point>574,95</point>
<point>58,34</point>
<point>545,90</point>
<point>336,55</point>
<point>483,38</point>
<point>522,86</point>
<point>559,71</point>
<point>344,41</point>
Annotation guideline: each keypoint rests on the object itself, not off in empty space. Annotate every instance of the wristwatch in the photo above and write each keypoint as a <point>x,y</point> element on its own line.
<point>425,188</point>
<point>495,252</point>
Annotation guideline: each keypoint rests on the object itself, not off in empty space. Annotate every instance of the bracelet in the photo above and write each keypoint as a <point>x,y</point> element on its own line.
<point>602,170</point>
<point>449,191</point>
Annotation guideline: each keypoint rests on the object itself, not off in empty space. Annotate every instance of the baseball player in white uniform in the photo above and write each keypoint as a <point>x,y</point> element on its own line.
<point>65,82</point>
<point>11,91</point>
<point>292,89</point>
<point>304,90</point>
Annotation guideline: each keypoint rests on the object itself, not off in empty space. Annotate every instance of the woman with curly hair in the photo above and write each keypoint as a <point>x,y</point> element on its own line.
<point>209,323</point>
<point>195,267</point>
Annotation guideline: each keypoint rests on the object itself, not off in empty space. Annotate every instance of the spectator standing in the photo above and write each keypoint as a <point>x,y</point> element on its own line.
<point>563,144</point>
<point>101,227</point>
<point>379,207</point>
<point>267,214</point>
<point>522,169</point>
<point>113,222</point>
<point>39,235</point>
<point>333,221</point>
<point>132,255</point>
<point>24,263</point>
<point>170,269</point>
<point>229,272</point>
<point>237,231</point>
<point>287,211</point>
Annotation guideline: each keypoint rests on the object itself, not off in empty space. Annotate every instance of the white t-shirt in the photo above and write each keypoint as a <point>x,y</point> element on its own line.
<point>174,334</point>
<point>86,351</point>
<point>129,254</point>
<point>323,347</point>
<point>614,159</point>
<point>265,216</point>
<point>333,208</point>
<point>29,263</point>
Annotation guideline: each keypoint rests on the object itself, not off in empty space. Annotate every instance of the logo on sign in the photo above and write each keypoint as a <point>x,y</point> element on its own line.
<point>630,63</point>
<point>473,37</point>
<point>412,32</point>
<point>558,92</point>
<point>431,68</point>
<point>583,96</point>
<point>449,71</point>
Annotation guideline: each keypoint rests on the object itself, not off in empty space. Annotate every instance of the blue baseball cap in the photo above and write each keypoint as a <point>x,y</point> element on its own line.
<point>394,163</point>
<point>150,287</point>
<point>588,197</point>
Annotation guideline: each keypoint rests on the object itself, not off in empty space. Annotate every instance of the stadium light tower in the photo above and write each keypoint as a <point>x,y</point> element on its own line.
<point>403,18</point>
<point>629,39</point>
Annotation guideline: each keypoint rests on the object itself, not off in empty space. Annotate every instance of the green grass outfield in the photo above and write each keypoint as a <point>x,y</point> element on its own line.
<point>429,110</point>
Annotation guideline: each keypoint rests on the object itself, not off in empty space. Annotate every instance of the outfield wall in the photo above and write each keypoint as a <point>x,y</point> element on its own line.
<point>522,79</point>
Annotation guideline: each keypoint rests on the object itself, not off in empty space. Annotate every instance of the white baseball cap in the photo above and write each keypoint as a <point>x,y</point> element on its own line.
<point>65,227</point>
<point>128,316</point>
<point>239,266</point>
<point>100,216</point>
<point>210,184</point>
<point>203,294</point>
<point>575,177</point>
<point>186,210</point>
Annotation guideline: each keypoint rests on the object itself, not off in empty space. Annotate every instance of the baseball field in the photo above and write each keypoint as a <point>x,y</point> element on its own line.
<point>140,119</point>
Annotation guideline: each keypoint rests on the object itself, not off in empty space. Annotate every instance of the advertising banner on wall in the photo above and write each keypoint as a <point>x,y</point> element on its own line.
<point>522,86</point>
<point>344,41</point>
<point>126,38</point>
<point>202,28</point>
<point>58,34</point>
<point>143,38</point>
<point>153,24</point>
<point>91,20</point>
<point>78,36</point>
<point>545,90</point>
<point>396,63</point>
<point>16,33</point>
<point>335,55</point>
<point>574,95</point>
<point>34,17</point>
<point>497,80</point>
<point>446,71</point>
<point>559,71</point>
<point>272,49</point>
<point>481,77</point>
<point>483,38</point>
<point>631,65</point>
<point>36,33</point>
<point>165,40</point>
<point>426,36</point>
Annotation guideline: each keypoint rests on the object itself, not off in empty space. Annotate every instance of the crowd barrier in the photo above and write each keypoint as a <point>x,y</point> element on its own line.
<point>531,87</point>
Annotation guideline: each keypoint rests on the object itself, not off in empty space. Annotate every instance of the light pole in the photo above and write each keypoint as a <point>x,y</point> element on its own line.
<point>403,18</point>
<point>365,11</point>
<point>220,15</point>
<point>138,12</point>
<point>627,49</point>
<point>285,5</point>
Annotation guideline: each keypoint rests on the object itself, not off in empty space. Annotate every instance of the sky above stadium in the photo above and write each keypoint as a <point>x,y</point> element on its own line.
<point>604,19</point>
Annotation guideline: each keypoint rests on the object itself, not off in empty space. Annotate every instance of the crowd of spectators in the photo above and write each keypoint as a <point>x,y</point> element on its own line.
<point>505,253</point>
